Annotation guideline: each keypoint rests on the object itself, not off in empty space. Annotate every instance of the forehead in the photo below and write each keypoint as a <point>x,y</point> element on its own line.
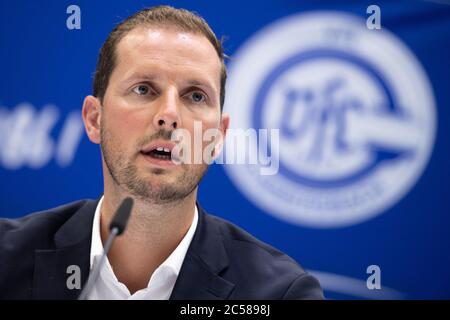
<point>178,52</point>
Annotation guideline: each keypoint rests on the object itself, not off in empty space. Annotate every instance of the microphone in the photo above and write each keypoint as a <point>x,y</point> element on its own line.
<point>116,227</point>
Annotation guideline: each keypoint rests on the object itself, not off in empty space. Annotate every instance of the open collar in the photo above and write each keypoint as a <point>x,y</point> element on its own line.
<point>199,276</point>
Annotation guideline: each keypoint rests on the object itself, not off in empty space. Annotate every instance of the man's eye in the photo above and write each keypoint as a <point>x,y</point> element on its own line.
<point>197,97</point>
<point>141,90</point>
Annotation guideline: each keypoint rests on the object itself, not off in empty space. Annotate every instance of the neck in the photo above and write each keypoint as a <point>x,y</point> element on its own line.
<point>152,234</point>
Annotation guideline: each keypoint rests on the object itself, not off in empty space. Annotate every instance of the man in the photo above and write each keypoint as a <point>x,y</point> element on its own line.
<point>160,70</point>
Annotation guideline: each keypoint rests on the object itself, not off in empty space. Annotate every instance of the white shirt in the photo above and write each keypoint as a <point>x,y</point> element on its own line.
<point>161,282</point>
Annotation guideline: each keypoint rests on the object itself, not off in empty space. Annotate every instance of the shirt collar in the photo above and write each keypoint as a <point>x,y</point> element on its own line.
<point>173,262</point>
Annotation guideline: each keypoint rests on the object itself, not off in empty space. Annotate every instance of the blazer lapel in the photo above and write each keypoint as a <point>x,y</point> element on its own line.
<point>206,258</point>
<point>199,276</point>
<point>53,268</point>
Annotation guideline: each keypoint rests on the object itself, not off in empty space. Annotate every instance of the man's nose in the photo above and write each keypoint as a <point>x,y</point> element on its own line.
<point>168,115</point>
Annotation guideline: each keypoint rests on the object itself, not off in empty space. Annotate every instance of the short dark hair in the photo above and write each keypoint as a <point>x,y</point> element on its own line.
<point>159,16</point>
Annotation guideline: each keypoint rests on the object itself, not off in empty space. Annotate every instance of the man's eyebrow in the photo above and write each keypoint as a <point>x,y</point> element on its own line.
<point>139,76</point>
<point>199,83</point>
<point>208,86</point>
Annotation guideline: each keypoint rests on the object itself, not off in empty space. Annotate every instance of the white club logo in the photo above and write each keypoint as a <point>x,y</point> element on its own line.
<point>355,113</point>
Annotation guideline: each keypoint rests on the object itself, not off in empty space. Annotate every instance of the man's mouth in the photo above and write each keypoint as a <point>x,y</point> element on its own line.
<point>159,153</point>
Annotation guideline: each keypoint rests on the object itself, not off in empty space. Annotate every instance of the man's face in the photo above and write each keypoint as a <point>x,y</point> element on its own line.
<point>164,79</point>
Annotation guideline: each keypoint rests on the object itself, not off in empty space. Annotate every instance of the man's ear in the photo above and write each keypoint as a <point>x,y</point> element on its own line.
<point>92,112</point>
<point>224,124</point>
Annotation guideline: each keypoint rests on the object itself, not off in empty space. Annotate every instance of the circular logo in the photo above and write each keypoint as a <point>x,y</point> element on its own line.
<point>353,111</point>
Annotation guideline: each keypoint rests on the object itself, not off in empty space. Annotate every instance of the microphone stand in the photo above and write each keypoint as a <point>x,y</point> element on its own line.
<point>116,227</point>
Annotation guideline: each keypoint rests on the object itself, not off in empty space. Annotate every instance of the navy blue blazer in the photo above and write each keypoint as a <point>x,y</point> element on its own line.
<point>222,262</point>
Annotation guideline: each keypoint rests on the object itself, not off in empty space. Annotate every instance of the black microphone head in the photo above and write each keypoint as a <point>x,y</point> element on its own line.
<point>120,219</point>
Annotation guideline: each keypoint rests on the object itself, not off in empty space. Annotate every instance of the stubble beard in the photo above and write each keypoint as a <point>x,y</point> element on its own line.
<point>125,173</point>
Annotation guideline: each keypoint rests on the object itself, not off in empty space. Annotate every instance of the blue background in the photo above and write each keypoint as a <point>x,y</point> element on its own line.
<point>43,62</point>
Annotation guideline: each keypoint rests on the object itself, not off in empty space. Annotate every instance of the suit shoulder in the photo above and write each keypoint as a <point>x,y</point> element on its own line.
<point>261,271</point>
<point>247,245</point>
<point>36,225</point>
